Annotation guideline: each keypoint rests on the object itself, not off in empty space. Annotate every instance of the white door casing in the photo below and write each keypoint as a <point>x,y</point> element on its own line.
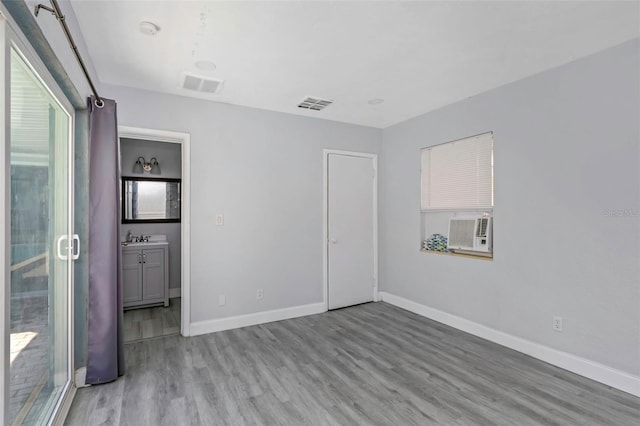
<point>184,139</point>
<point>350,228</point>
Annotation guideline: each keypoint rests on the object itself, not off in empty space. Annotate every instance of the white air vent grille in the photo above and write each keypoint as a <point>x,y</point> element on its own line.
<point>483,224</point>
<point>461,233</point>
<point>471,233</point>
<point>201,84</point>
<point>315,104</point>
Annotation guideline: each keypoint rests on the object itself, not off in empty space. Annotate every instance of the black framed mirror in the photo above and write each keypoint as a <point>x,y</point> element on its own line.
<point>150,200</point>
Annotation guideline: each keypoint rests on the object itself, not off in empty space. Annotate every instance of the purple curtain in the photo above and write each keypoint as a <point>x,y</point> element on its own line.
<point>105,356</point>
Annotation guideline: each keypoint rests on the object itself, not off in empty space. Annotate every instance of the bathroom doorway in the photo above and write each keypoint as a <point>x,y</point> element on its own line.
<point>154,230</point>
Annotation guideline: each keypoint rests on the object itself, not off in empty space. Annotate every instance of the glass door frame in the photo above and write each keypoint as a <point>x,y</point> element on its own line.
<point>10,39</point>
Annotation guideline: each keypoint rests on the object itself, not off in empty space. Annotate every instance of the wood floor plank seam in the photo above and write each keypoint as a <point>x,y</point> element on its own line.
<point>372,364</point>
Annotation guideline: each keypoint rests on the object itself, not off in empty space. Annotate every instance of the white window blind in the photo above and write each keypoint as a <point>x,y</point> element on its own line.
<point>458,175</point>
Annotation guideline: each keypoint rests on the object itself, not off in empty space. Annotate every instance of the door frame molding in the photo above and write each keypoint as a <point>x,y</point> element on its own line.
<point>325,219</point>
<point>5,228</point>
<point>184,139</point>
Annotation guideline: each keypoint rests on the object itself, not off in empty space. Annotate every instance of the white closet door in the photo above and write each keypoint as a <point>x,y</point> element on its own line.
<point>350,230</point>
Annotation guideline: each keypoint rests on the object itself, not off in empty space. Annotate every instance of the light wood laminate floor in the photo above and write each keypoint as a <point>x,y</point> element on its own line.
<point>372,364</point>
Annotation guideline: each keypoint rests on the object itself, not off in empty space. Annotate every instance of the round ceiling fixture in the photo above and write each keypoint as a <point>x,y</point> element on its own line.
<point>205,65</point>
<point>149,28</point>
<point>376,101</point>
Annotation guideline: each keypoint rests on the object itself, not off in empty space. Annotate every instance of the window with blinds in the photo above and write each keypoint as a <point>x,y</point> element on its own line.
<point>458,175</point>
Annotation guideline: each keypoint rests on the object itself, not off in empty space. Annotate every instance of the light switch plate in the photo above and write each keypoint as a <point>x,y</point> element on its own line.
<point>219,220</point>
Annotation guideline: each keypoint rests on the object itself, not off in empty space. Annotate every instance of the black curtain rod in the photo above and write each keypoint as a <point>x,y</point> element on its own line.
<point>55,11</point>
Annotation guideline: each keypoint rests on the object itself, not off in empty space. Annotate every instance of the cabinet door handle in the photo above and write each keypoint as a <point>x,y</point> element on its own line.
<point>144,258</point>
<point>139,258</point>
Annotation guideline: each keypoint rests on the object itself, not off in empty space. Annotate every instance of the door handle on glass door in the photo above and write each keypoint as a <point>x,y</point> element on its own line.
<point>76,241</point>
<point>61,256</point>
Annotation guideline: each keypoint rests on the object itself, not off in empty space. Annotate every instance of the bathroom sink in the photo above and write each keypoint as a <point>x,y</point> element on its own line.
<point>142,244</point>
<point>154,239</point>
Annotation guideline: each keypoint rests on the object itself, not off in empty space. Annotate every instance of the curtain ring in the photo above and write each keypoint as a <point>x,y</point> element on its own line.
<point>99,103</point>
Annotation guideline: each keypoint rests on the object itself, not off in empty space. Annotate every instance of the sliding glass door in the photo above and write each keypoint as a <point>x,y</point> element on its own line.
<point>38,135</point>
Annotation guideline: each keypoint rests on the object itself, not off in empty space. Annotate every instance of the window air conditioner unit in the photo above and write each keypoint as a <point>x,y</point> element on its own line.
<point>472,233</point>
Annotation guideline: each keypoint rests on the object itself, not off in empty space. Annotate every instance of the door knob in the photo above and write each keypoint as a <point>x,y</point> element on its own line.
<point>333,240</point>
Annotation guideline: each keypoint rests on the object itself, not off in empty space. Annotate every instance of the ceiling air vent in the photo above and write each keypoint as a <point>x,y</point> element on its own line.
<point>315,104</point>
<point>201,84</point>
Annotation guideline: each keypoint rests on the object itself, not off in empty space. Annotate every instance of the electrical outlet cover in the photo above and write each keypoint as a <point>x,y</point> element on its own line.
<point>557,323</point>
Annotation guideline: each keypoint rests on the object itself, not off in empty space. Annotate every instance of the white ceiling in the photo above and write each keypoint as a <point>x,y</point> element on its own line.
<point>417,56</point>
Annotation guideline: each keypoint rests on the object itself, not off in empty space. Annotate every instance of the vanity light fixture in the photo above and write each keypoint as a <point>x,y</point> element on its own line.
<point>142,166</point>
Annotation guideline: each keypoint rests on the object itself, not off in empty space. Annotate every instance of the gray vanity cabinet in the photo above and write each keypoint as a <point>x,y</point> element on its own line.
<point>145,274</point>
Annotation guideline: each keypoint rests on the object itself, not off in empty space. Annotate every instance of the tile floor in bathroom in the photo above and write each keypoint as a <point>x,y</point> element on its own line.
<point>147,323</point>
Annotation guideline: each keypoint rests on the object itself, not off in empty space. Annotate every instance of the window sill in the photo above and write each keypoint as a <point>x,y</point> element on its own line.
<point>488,256</point>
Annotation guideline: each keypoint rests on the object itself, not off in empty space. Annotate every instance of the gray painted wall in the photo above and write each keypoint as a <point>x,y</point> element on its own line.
<point>57,40</point>
<point>169,157</point>
<point>263,171</point>
<point>567,204</point>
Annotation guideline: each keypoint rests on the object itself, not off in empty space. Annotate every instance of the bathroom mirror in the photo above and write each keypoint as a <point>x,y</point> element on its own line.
<point>148,200</point>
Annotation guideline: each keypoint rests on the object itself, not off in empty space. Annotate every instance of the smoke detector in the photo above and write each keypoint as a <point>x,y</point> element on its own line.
<point>201,84</point>
<point>316,104</point>
<point>204,65</point>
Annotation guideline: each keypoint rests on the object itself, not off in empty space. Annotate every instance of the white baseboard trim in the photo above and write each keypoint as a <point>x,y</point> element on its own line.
<point>593,370</point>
<point>212,326</point>
<point>175,292</point>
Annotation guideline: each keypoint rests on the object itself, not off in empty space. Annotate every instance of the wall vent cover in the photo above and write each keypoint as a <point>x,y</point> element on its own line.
<point>316,104</point>
<point>201,84</point>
